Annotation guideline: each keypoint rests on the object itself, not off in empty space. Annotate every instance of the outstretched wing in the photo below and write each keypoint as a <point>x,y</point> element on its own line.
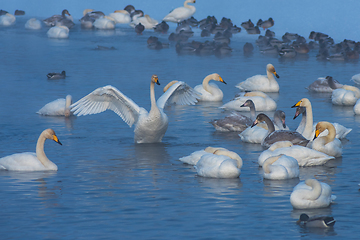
<point>179,93</point>
<point>104,98</point>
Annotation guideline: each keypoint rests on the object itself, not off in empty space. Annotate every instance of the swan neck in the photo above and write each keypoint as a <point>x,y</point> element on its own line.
<point>186,4</point>
<point>309,122</point>
<point>331,133</point>
<point>154,107</point>
<point>206,85</point>
<point>268,162</point>
<point>252,112</point>
<point>270,125</point>
<point>316,188</point>
<point>40,154</point>
<point>270,76</point>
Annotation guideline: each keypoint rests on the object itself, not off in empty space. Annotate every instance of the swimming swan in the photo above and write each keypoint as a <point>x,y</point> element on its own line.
<point>121,16</point>
<point>327,144</point>
<point>193,158</point>
<point>146,20</point>
<point>324,85</point>
<point>311,194</point>
<point>305,156</point>
<point>150,126</point>
<point>7,20</point>
<point>33,24</point>
<point>220,164</point>
<point>59,107</point>
<point>260,82</point>
<point>345,96</point>
<point>58,32</point>
<point>104,23</point>
<point>280,167</point>
<point>210,92</point>
<point>261,100</point>
<point>29,161</point>
<point>181,13</point>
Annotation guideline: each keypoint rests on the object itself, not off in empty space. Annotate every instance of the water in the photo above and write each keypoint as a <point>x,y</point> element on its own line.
<point>109,187</point>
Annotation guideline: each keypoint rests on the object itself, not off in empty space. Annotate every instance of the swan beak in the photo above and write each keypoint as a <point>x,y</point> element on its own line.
<point>243,105</point>
<point>297,104</point>
<point>221,80</point>
<point>55,138</point>
<point>317,132</point>
<point>296,114</point>
<point>276,75</point>
<point>284,124</point>
<point>254,123</point>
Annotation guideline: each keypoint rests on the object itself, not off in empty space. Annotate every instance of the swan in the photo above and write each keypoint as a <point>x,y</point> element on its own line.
<point>324,85</point>
<point>146,20</point>
<point>220,164</point>
<point>194,157</point>
<point>305,156</point>
<point>181,13</point>
<point>357,107</point>
<point>345,96</point>
<point>306,126</point>
<point>327,144</point>
<point>56,75</point>
<point>104,23</point>
<point>311,194</point>
<point>53,20</point>
<point>280,167</point>
<point>356,78</point>
<point>316,221</point>
<point>261,100</point>
<point>121,16</point>
<point>58,32</point>
<point>33,24</point>
<point>7,20</point>
<point>29,161</point>
<point>279,135</point>
<point>150,126</point>
<point>210,92</point>
<point>261,82</point>
<point>89,17</point>
<point>59,107</point>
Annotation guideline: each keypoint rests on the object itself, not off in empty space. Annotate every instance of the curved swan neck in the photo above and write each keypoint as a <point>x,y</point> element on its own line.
<point>270,75</point>
<point>206,81</point>
<point>270,124</point>
<point>187,5</point>
<point>316,188</point>
<point>231,155</point>
<point>268,162</point>
<point>331,132</point>
<point>40,154</point>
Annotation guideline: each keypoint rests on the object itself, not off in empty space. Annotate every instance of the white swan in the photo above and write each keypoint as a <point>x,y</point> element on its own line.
<point>58,32</point>
<point>7,20</point>
<point>121,16</point>
<point>29,161</point>
<point>306,126</point>
<point>260,82</point>
<point>280,167</point>
<point>356,78</point>
<point>181,13</point>
<point>89,17</point>
<point>261,100</point>
<point>311,194</point>
<point>305,156</point>
<point>33,24</point>
<point>59,107</point>
<point>104,23</point>
<point>357,107</point>
<point>220,164</point>
<point>324,85</point>
<point>210,92</point>
<point>146,20</point>
<point>150,126</point>
<point>327,144</point>
<point>345,96</point>
<point>193,158</point>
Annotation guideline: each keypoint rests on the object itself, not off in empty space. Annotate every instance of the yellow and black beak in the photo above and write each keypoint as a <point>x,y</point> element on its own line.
<point>221,80</point>
<point>297,104</point>
<point>276,75</point>
<point>55,138</point>
<point>156,79</point>
<point>317,133</point>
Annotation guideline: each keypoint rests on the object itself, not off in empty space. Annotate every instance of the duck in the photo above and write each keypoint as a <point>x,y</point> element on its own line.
<point>306,157</point>
<point>146,20</point>
<point>58,31</point>
<point>261,100</point>
<point>261,82</point>
<point>220,164</point>
<point>345,96</point>
<point>121,16</point>
<point>59,107</point>
<point>247,24</point>
<point>311,194</point>
<point>280,167</point>
<point>139,28</point>
<point>150,127</point>
<point>7,20</point>
<point>210,92</point>
<point>194,157</point>
<point>181,13</point>
<point>56,75</point>
<point>29,161</point>
<point>53,20</point>
<point>279,135</point>
<point>316,221</point>
<point>324,85</point>
<point>327,144</point>
<point>104,23</point>
<point>253,30</point>
<point>265,24</point>
<point>33,24</point>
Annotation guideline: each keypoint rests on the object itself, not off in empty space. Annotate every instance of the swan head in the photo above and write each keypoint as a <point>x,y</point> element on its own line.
<point>129,8</point>
<point>302,103</point>
<point>259,118</point>
<point>271,68</point>
<point>217,77</point>
<point>65,11</point>
<point>279,114</point>
<point>248,103</point>
<point>155,79</point>
<point>322,126</point>
<point>299,110</point>
<point>50,134</point>
<point>87,11</point>
<point>213,149</point>
<point>231,155</point>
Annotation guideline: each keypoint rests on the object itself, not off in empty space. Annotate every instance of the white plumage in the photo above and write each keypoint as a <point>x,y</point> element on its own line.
<point>58,107</point>
<point>261,101</point>
<point>181,13</point>
<point>210,92</point>
<point>58,32</point>
<point>280,167</point>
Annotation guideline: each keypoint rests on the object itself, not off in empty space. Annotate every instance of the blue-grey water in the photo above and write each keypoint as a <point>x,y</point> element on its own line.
<point>107,187</point>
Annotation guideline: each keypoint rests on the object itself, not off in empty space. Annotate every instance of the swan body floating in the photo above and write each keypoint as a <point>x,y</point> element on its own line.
<point>311,194</point>
<point>261,100</point>
<point>56,75</point>
<point>220,164</point>
<point>280,167</point>
<point>146,20</point>
<point>316,221</point>
<point>121,16</point>
<point>33,24</point>
<point>104,23</point>
<point>181,13</point>
<point>58,32</point>
<point>356,78</point>
<point>345,96</point>
<point>327,144</point>
<point>89,17</point>
<point>305,156</point>
<point>324,85</point>
<point>260,82</point>
<point>7,20</point>
<point>357,107</point>
<point>59,107</point>
<point>150,126</point>
<point>64,19</point>
<point>29,161</point>
<point>210,92</point>
<point>193,158</point>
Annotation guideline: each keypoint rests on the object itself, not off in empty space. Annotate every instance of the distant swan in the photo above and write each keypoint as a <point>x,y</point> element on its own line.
<point>260,82</point>
<point>323,85</point>
<point>146,20</point>
<point>54,19</point>
<point>311,194</point>
<point>193,158</point>
<point>59,107</point>
<point>29,161</point>
<point>210,92</point>
<point>327,144</point>
<point>33,24</point>
<point>104,23</point>
<point>181,13</point>
<point>58,32</point>
<point>220,164</point>
<point>121,16</point>
<point>150,126</point>
<point>261,100</point>
<point>7,20</point>
<point>280,167</point>
<point>345,96</point>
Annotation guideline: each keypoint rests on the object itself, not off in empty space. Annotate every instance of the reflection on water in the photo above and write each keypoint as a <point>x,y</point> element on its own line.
<point>279,187</point>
